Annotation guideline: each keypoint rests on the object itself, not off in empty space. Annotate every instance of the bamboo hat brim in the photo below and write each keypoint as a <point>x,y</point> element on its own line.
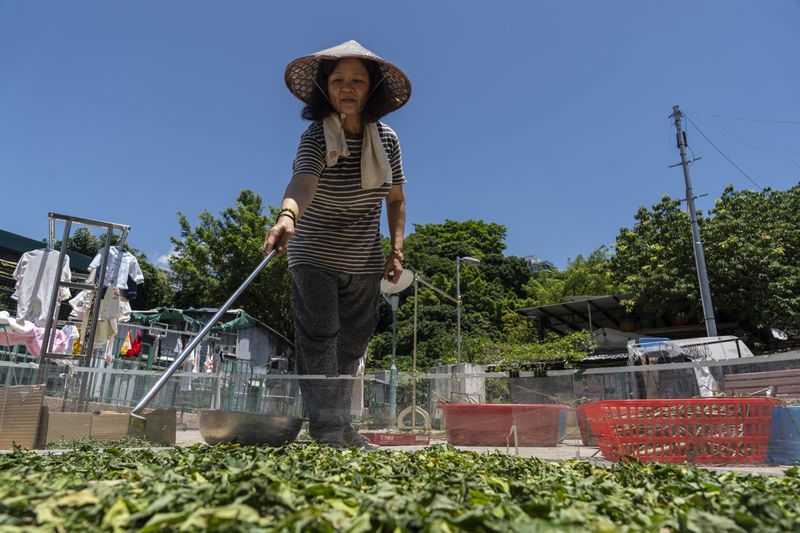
<point>301,74</point>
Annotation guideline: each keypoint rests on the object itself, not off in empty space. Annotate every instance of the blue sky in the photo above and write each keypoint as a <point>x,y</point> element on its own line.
<point>548,117</point>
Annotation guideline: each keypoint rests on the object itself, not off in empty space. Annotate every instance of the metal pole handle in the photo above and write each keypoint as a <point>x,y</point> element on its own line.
<point>136,413</point>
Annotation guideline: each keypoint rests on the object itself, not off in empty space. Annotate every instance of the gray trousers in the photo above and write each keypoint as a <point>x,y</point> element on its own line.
<point>335,316</point>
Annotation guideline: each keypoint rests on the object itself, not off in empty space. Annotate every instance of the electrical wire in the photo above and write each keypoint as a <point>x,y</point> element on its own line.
<point>734,135</point>
<point>746,119</point>
<point>742,172</point>
<point>758,121</point>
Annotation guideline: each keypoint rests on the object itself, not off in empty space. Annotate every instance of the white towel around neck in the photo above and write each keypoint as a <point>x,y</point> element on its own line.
<point>375,167</point>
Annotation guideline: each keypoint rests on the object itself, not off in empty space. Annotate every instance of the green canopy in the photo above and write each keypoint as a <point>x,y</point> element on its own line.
<point>162,314</point>
<point>19,244</point>
<point>242,320</point>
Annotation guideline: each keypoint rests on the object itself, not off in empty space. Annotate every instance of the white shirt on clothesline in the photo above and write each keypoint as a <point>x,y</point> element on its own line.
<point>36,278</point>
<point>121,265</point>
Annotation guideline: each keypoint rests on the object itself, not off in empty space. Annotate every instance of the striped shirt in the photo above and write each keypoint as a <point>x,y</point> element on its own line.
<point>340,228</point>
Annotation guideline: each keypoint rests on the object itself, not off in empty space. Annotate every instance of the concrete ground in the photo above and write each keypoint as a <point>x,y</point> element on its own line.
<point>570,449</point>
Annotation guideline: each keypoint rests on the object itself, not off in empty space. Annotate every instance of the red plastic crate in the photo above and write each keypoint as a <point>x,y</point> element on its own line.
<point>701,430</point>
<point>475,424</point>
<point>396,439</point>
<point>587,437</point>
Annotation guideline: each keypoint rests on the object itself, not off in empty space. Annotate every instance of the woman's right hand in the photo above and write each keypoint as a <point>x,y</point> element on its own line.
<point>278,235</point>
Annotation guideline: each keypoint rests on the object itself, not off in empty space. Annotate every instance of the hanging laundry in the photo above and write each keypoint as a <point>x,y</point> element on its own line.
<point>124,308</point>
<point>178,347</point>
<point>11,323</point>
<point>157,347</point>
<point>73,335</point>
<point>79,305</point>
<point>111,307</point>
<point>121,265</point>
<point>59,341</point>
<point>195,360</point>
<point>108,356</point>
<point>136,346</point>
<point>33,340</point>
<point>10,337</point>
<point>208,365</point>
<point>186,381</point>
<point>110,312</point>
<point>126,345</point>
<point>132,290</point>
<point>36,280</point>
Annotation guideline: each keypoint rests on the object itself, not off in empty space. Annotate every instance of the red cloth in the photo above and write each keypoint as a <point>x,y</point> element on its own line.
<point>136,346</point>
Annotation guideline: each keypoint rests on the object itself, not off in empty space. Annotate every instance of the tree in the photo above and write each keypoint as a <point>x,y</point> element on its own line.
<point>156,290</point>
<point>655,261</point>
<point>431,245</point>
<point>588,276</point>
<point>486,290</point>
<point>214,258</point>
<point>84,242</point>
<point>489,292</point>
<point>753,250</point>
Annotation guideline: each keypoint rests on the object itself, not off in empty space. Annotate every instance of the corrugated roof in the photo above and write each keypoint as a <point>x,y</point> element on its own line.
<point>574,315</point>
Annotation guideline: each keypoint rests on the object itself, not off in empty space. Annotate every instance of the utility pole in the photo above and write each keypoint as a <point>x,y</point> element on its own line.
<point>699,255</point>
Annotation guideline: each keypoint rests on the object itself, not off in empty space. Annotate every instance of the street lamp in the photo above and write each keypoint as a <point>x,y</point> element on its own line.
<point>467,261</point>
<point>391,293</point>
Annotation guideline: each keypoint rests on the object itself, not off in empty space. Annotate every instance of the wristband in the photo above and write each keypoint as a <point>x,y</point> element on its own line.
<point>398,253</point>
<point>289,213</point>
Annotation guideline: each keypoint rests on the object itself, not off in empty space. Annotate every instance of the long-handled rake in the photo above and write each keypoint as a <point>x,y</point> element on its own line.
<point>137,420</point>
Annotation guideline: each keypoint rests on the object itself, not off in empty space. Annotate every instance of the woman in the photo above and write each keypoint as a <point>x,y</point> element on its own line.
<point>348,163</point>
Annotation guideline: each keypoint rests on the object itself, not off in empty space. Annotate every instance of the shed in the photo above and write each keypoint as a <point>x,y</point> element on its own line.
<point>249,338</point>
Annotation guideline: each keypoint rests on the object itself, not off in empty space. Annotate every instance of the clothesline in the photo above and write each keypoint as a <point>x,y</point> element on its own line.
<point>166,331</point>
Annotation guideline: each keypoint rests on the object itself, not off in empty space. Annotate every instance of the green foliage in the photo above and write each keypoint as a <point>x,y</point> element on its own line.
<point>85,242</point>
<point>156,290</point>
<point>753,254</point>
<point>438,489</point>
<point>490,291</point>
<point>655,261</point>
<point>509,356</point>
<point>588,276</point>
<point>752,250</point>
<point>433,247</point>
<point>89,443</point>
<point>214,258</point>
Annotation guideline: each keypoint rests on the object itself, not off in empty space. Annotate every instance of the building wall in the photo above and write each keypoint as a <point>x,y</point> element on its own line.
<point>257,346</point>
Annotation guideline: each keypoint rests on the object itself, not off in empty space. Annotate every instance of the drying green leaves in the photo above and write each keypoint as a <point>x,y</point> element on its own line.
<point>439,489</point>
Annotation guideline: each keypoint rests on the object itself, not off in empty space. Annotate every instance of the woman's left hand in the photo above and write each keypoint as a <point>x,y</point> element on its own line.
<point>393,268</point>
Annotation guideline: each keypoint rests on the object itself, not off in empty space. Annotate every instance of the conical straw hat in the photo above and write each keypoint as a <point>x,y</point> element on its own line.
<point>301,73</point>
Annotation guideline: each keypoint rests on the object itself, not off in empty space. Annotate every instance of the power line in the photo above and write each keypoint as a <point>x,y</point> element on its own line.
<point>745,119</point>
<point>722,153</point>
<point>790,122</point>
<point>766,149</point>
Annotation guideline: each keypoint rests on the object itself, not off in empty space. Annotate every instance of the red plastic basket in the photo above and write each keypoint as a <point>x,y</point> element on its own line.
<point>587,437</point>
<point>703,430</point>
<point>475,424</point>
